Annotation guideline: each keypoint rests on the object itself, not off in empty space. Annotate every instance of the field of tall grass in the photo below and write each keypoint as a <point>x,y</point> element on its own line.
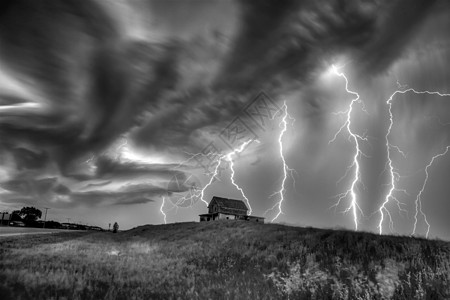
<point>223,260</point>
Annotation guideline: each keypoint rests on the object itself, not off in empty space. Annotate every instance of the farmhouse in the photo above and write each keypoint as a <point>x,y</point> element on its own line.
<point>228,209</point>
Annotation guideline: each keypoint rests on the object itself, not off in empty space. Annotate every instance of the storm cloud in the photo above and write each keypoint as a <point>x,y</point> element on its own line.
<point>280,47</point>
<point>101,100</point>
<point>93,83</point>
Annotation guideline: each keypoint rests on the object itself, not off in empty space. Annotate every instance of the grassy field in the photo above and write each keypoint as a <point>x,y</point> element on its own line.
<point>223,260</point>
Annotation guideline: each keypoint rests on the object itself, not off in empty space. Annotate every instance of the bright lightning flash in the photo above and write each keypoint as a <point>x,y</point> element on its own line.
<point>354,206</point>
<point>394,175</point>
<point>286,169</point>
<point>161,209</point>
<point>229,158</point>
<point>197,193</point>
<point>418,198</point>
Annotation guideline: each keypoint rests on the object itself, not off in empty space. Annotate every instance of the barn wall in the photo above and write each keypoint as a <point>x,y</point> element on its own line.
<point>209,218</point>
<point>225,216</point>
<point>212,208</point>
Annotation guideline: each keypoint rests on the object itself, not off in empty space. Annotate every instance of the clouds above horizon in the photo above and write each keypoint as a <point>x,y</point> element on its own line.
<point>101,100</point>
<point>106,84</point>
<point>115,183</point>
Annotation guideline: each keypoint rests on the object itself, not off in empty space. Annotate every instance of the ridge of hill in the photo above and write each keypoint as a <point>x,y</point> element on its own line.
<point>225,260</point>
<point>309,262</point>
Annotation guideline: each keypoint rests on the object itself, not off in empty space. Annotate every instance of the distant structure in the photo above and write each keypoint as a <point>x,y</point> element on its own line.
<point>228,209</point>
<point>5,217</point>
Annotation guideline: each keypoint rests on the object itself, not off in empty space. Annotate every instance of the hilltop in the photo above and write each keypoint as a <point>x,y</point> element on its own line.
<point>226,259</point>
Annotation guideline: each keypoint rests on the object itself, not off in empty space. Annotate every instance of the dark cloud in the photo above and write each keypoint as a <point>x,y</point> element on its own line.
<point>128,194</point>
<point>92,83</point>
<point>280,46</point>
<point>394,31</point>
<point>61,189</point>
<point>288,40</point>
<point>131,194</point>
<point>135,195</point>
<point>83,82</point>
<point>30,186</point>
<point>27,159</point>
<point>49,192</point>
<point>111,185</point>
<point>108,168</point>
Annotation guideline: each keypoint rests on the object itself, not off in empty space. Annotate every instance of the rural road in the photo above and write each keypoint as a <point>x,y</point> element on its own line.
<point>6,231</point>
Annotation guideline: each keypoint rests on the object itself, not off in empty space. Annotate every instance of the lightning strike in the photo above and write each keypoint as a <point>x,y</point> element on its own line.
<point>195,193</point>
<point>90,159</point>
<point>354,206</point>
<point>219,160</point>
<point>230,159</point>
<point>419,195</point>
<point>211,179</point>
<point>161,209</point>
<point>286,169</point>
<point>198,193</point>
<point>191,197</point>
<point>394,175</point>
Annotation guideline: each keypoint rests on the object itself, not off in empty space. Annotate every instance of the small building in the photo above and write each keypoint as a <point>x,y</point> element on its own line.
<point>5,217</point>
<point>228,209</point>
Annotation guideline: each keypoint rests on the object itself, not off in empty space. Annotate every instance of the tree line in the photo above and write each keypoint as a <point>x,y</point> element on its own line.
<point>30,216</point>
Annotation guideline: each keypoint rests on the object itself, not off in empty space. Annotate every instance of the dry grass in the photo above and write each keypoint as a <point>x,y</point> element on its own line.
<point>216,260</point>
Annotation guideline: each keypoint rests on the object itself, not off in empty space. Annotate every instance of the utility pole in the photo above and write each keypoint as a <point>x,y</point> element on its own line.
<point>45,219</point>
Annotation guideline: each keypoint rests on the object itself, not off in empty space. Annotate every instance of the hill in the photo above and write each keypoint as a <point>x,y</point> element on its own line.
<point>224,260</point>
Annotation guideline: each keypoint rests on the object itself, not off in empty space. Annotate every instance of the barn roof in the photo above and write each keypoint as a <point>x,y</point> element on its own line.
<point>229,203</point>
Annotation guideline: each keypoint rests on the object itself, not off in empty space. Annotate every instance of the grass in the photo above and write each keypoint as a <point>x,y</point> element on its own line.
<point>223,260</point>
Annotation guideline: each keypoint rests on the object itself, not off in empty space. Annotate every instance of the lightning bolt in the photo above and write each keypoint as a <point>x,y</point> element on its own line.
<point>194,193</point>
<point>228,157</point>
<point>419,195</point>
<point>286,170</point>
<point>211,179</point>
<point>394,178</point>
<point>198,193</point>
<point>354,206</point>
<point>394,175</point>
<point>161,209</point>
<point>90,159</point>
<point>191,197</point>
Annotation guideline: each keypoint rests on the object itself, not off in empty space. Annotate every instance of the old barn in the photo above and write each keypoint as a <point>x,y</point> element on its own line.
<point>228,209</point>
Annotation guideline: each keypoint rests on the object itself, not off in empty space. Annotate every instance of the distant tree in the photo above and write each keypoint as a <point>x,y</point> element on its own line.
<point>115,227</point>
<point>30,213</point>
<point>15,216</point>
<point>53,224</point>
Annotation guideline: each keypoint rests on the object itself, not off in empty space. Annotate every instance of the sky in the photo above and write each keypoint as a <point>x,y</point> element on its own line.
<point>123,111</point>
